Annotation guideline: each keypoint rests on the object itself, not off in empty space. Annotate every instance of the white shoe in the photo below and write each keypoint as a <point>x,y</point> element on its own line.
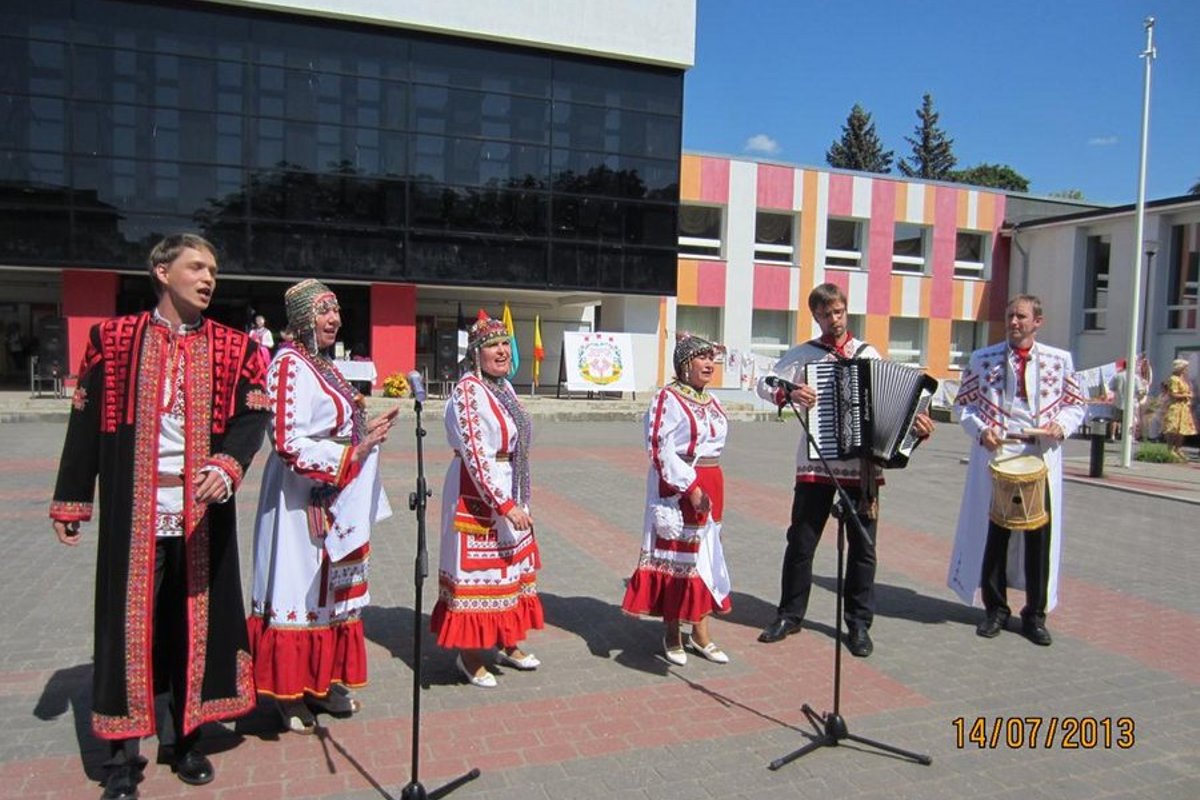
<point>676,655</point>
<point>485,681</point>
<point>709,651</point>
<point>526,662</point>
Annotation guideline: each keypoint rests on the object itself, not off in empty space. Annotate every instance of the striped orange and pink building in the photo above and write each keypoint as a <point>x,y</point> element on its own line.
<point>923,264</point>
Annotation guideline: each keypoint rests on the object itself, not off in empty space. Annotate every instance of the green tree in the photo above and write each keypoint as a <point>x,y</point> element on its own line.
<point>932,154</point>
<point>859,148</point>
<point>995,176</point>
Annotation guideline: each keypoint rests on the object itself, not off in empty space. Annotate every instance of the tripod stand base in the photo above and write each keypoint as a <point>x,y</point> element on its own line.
<point>832,730</point>
<point>415,791</point>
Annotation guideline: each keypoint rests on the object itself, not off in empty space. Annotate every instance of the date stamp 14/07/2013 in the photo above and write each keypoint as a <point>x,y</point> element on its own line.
<point>1047,733</point>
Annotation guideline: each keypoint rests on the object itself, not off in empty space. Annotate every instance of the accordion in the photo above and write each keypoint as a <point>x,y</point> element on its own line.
<point>865,409</point>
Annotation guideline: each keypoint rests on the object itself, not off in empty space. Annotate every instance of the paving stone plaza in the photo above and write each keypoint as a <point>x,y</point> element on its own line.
<point>607,716</point>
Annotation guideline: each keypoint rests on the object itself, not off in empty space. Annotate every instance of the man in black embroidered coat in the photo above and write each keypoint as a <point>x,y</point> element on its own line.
<point>169,410</point>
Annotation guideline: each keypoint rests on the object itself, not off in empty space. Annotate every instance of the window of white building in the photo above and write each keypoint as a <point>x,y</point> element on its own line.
<point>971,254</point>
<point>1183,290</point>
<point>845,243</point>
<point>1095,288</point>
<point>773,237</point>
<point>966,336</point>
<point>700,231</point>
<point>771,332</point>
<point>909,248</point>
<point>906,342</point>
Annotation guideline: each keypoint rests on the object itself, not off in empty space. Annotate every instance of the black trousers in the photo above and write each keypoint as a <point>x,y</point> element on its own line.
<point>169,651</point>
<point>993,583</point>
<point>811,504</point>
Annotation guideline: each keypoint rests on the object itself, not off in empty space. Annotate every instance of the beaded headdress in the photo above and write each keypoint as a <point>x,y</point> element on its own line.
<point>687,347</point>
<point>485,331</point>
<point>304,301</point>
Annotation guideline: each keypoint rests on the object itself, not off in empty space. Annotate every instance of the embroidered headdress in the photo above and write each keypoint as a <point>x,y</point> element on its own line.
<point>485,331</point>
<point>687,347</point>
<point>304,301</point>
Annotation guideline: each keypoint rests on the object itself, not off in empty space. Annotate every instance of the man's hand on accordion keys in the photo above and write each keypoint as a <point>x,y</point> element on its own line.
<point>923,426</point>
<point>802,394</point>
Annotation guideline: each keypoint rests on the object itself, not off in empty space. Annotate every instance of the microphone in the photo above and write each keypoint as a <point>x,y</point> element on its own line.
<point>417,386</point>
<point>779,383</point>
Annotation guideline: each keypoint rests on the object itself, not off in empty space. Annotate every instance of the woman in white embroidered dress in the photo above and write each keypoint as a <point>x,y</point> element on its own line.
<point>321,493</point>
<point>489,557</point>
<point>681,574</point>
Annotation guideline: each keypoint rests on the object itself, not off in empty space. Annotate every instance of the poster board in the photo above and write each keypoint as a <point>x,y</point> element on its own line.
<point>598,362</point>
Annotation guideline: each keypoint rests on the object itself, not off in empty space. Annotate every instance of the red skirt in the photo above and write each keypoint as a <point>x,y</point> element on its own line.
<point>666,582</point>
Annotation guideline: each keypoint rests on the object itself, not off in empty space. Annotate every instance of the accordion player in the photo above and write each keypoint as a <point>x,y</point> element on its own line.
<point>866,408</point>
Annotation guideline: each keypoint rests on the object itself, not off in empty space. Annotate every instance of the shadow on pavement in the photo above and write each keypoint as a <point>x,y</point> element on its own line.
<point>71,689</point>
<point>637,643</point>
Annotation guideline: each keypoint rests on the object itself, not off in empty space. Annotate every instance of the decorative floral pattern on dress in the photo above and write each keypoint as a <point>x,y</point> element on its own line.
<point>79,397</point>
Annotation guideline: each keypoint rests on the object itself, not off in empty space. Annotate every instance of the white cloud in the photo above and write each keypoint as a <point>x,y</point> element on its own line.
<point>1102,141</point>
<point>761,143</point>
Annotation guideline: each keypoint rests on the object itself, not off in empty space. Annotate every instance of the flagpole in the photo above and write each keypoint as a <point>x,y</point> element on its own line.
<point>1149,55</point>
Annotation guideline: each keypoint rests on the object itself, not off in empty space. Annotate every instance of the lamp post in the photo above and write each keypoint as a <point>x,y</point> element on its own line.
<point>1149,55</point>
<point>1149,247</point>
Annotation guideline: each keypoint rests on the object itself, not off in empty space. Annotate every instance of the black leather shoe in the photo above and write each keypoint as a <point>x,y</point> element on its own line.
<point>858,642</point>
<point>1036,632</point>
<point>194,768</point>
<point>121,783</point>
<point>779,630</point>
<point>991,626</point>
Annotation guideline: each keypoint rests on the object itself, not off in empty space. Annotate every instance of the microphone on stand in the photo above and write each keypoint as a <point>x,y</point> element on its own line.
<point>779,383</point>
<point>417,386</point>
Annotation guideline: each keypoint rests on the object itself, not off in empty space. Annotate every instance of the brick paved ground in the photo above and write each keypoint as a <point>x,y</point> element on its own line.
<point>605,716</point>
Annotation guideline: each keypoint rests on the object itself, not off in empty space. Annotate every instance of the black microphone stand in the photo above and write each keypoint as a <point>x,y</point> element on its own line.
<point>830,726</point>
<point>417,503</point>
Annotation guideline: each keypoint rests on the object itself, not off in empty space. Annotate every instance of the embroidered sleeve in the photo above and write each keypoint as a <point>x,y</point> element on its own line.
<point>247,421</point>
<point>299,439</point>
<point>791,368</point>
<point>80,462</point>
<point>482,431</point>
<point>968,398</point>
<point>1073,409</point>
<point>670,428</point>
<point>230,471</point>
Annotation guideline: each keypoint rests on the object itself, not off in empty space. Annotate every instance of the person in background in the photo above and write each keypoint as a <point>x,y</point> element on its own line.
<point>261,333</point>
<point>1178,420</point>
<point>168,412</point>
<point>681,574</point>
<point>321,495</point>
<point>487,578</point>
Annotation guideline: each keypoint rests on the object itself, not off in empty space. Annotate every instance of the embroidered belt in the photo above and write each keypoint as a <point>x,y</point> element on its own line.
<point>170,480</point>
<point>500,457</point>
<point>708,461</point>
<point>336,439</point>
<point>1020,437</point>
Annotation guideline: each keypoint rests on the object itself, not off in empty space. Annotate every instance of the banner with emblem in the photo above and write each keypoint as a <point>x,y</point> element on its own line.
<point>598,361</point>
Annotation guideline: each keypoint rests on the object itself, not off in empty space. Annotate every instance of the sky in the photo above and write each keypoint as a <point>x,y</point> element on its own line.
<point>1052,88</point>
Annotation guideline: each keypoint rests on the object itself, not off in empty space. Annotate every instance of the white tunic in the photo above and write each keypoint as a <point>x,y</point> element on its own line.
<point>988,398</point>
<point>308,469</point>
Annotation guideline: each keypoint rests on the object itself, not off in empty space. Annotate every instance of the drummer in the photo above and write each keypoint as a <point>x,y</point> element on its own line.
<point>1018,397</point>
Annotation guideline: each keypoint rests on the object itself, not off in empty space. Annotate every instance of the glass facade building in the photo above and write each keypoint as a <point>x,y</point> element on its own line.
<point>304,146</point>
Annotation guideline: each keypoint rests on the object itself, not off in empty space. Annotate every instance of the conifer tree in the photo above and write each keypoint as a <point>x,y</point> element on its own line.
<point>859,148</point>
<point>932,155</point>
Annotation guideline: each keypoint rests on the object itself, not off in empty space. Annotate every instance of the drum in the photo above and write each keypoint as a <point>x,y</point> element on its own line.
<point>1019,493</point>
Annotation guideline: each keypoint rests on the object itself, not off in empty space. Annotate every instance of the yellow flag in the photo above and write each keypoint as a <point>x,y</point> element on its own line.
<point>539,352</point>
<point>512,335</point>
